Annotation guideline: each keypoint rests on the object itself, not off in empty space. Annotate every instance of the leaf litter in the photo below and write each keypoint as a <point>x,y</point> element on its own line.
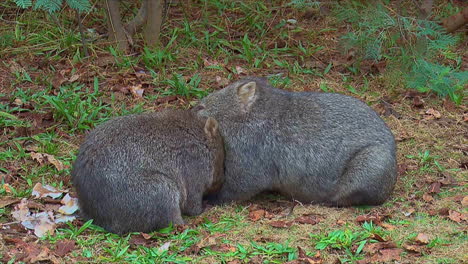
<point>46,221</point>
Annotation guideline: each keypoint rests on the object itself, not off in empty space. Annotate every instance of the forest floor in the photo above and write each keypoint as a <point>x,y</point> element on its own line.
<point>51,96</point>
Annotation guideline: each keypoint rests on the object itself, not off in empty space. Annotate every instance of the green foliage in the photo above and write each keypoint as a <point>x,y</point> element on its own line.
<point>180,87</point>
<point>79,110</point>
<point>412,46</point>
<point>53,6</point>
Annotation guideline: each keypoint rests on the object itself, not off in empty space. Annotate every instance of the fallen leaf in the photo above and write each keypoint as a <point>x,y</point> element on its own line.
<point>378,238</point>
<point>222,82</point>
<point>21,212</point>
<point>63,247</point>
<point>375,218</point>
<point>409,212</point>
<point>59,218</point>
<point>74,77</point>
<point>70,205</point>
<point>42,157</point>
<point>464,201</point>
<point>431,113</point>
<point>373,248</point>
<point>256,215</point>
<point>5,201</point>
<point>418,249</point>
<point>239,70</point>
<point>164,247</point>
<point>7,188</point>
<point>418,102</point>
<point>434,187</point>
<point>223,248</point>
<point>307,219</point>
<point>208,63</point>
<point>40,191</point>
<point>386,255</point>
<point>281,224</point>
<point>428,198</point>
<point>388,226</point>
<point>136,91</point>
<point>456,216</point>
<point>422,238</point>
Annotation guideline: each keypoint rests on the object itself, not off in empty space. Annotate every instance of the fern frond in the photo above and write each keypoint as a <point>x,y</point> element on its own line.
<point>80,5</point>
<point>50,6</point>
<point>23,3</point>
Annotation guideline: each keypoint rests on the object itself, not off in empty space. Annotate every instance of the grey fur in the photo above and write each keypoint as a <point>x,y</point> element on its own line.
<point>314,147</point>
<point>142,172</point>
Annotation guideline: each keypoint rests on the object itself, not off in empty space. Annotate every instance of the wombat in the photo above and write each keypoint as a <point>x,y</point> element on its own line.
<point>324,148</point>
<point>141,172</point>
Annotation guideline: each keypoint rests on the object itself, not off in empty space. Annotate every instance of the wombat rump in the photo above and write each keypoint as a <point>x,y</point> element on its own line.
<point>314,147</point>
<point>142,172</point>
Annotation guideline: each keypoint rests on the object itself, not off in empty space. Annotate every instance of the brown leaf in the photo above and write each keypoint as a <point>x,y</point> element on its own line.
<point>456,216</point>
<point>316,259</point>
<point>375,218</point>
<point>415,248</point>
<point>386,255</point>
<point>434,187</point>
<point>418,102</point>
<point>422,238</point>
<point>64,247</point>
<point>281,224</point>
<point>166,99</point>
<point>136,91</point>
<point>256,215</point>
<point>428,198</point>
<point>40,191</point>
<point>307,219</point>
<point>377,237</point>
<point>5,201</point>
<point>464,201</point>
<point>388,226</point>
<point>431,113</point>
<point>373,248</point>
<point>222,82</point>
<point>42,157</point>
<point>223,248</point>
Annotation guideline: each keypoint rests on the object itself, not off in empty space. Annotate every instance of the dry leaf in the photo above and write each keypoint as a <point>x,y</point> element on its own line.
<point>428,198</point>
<point>70,205</point>
<point>40,191</point>
<point>7,188</point>
<point>456,216</point>
<point>422,238</point>
<point>464,201</point>
<point>21,211</point>
<point>388,226</point>
<point>74,77</point>
<point>222,82</point>
<point>240,70</point>
<point>434,187</point>
<point>431,113</point>
<point>136,91</point>
<point>42,157</point>
<point>281,224</point>
<point>256,215</point>
<point>63,247</point>
<point>223,248</point>
<point>387,255</point>
<point>307,219</point>
<point>5,201</point>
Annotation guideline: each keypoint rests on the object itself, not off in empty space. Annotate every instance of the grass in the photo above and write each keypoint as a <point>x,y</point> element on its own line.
<point>50,96</point>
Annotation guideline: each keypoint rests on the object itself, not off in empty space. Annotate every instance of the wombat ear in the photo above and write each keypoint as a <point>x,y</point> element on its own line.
<point>246,94</point>
<point>211,127</point>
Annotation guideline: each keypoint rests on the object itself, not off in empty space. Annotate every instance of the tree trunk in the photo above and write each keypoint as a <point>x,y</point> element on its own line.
<point>153,22</point>
<point>133,26</point>
<point>116,29</point>
<point>456,21</point>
